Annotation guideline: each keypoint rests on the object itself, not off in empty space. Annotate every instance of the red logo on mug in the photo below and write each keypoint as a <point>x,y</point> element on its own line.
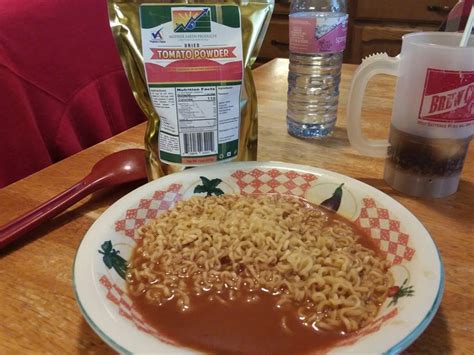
<point>448,98</point>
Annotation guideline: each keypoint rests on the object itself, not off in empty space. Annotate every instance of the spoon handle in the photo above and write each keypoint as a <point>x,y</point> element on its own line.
<point>51,208</point>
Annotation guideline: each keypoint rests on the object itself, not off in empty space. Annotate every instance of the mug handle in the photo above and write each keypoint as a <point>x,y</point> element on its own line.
<point>375,64</point>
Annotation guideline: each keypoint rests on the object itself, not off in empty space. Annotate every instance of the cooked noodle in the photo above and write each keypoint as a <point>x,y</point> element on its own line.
<point>218,246</point>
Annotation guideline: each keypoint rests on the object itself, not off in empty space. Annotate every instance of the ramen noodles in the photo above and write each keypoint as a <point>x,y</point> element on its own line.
<point>230,249</point>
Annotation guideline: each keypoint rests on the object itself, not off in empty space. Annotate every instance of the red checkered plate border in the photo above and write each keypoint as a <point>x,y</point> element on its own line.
<point>401,238</point>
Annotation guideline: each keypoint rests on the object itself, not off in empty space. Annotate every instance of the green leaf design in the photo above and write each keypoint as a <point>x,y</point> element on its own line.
<point>214,182</point>
<point>218,191</point>
<point>205,180</point>
<point>107,260</point>
<point>112,259</point>
<point>200,189</point>
<point>403,291</point>
<point>106,246</point>
<point>120,265</point>
<point>209,187</point>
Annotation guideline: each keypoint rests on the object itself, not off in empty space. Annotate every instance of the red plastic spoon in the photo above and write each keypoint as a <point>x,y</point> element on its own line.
<point>117,168</point>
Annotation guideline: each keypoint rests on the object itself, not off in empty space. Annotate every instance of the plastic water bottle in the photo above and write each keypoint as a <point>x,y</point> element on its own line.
<point>318,30</point>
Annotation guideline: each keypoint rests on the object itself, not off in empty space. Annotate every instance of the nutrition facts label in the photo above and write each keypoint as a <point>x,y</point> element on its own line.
<point>196,120</point>
<point>193,63</point>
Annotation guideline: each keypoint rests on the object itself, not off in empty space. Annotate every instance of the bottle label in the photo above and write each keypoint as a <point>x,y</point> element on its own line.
<point>193,64</point>
<point>448,99</point>
<point>310,34</point>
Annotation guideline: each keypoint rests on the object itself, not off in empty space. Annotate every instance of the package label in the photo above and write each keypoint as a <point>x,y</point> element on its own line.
<point>311,34</point>
<point>194,71</point>
<point>448,98</point>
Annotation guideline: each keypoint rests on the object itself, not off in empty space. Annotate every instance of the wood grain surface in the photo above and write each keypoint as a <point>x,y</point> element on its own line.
<point>38,310</point>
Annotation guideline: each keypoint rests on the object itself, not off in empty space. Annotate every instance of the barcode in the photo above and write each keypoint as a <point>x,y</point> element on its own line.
<point>201,142</point>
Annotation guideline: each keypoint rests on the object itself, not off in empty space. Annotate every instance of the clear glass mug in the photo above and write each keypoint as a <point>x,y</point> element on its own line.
<point>432,117</point>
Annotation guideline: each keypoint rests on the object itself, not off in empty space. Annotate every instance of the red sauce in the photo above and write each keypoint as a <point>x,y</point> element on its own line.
<point>241,326</point>
<point>364,240</point>
<point>236,327</point>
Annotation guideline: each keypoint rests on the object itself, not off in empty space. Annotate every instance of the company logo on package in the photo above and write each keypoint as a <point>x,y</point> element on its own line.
<point>196,19</point>
<point>448,98</point>
<point>157,36</point>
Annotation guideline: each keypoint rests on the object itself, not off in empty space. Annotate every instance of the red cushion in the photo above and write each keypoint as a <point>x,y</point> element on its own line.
<point>62,85</point>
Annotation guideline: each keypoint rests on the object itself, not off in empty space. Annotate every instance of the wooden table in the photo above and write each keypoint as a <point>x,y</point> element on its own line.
<point>38,311</point>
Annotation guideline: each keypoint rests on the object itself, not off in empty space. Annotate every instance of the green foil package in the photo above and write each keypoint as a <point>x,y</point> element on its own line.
<point>189,66</point>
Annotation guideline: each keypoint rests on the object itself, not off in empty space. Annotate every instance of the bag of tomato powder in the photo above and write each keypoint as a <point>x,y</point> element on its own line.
<point>189,67</point>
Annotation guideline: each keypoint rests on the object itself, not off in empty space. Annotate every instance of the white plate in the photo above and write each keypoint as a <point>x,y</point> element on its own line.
<point>415,259</point>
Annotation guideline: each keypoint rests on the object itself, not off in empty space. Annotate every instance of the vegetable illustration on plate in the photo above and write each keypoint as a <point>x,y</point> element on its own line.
<point>334,201</point>
<point>397,292</point>
<point>112,259</point>
<point>209,187</point>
